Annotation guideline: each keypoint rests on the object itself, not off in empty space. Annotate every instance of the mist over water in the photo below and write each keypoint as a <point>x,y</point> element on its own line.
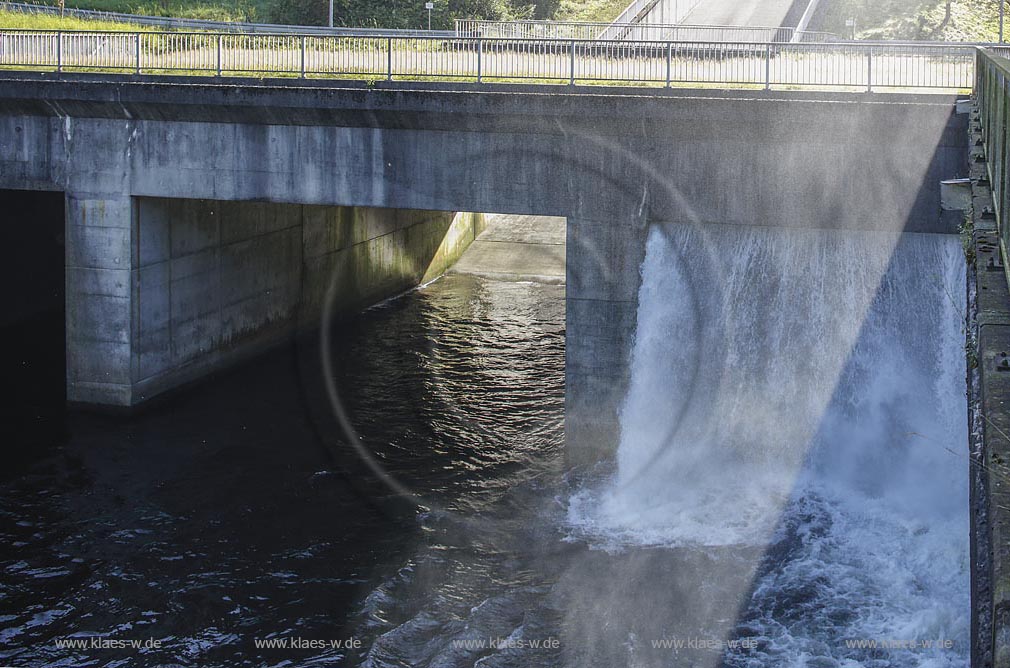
<point>802,393</point>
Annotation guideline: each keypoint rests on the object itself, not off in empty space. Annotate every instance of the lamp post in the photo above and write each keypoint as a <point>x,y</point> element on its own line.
<point>1001,7</point>
<point>331,13</point>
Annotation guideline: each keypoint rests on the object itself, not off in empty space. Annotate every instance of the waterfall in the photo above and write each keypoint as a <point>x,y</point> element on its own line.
<point>802,390</point>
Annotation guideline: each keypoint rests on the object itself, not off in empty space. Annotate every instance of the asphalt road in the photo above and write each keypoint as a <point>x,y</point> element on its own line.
<point>740,12</point>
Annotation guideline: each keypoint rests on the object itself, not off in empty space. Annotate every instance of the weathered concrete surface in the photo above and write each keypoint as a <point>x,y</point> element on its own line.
<point>517,248</point>
<point>163,291</point>
<point>989,409</point>
<point>609,160</point>
<point>737,157</point>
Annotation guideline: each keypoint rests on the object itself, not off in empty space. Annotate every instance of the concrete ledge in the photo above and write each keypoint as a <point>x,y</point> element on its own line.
<point>988,349</point>
<point>556,110</point>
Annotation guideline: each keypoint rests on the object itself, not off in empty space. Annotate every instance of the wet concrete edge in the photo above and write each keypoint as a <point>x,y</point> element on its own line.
<point>988,354</point>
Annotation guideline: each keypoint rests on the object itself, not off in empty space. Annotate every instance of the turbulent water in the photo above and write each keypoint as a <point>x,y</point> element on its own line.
<point>802,393</point>
<point>790,481</point>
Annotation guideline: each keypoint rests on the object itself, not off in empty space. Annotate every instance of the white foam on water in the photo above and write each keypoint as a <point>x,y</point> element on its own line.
<point>803,390</point>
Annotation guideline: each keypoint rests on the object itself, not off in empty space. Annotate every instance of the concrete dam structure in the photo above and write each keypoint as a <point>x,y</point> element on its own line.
<point>207,219</point>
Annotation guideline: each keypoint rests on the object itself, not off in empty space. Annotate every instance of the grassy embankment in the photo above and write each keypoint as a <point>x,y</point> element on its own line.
<point>212,10</point>
<point>347,13</point>
<point>19,21</point>
<point>361,13</point>
<point>597,11</point>
<point>969,21</point>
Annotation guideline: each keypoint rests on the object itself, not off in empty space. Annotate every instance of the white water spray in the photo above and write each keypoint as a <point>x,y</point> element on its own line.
<point>811,383</point>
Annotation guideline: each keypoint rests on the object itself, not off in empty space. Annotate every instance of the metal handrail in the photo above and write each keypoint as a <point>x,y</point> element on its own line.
<point>993,97</point>
<point>759,64</point>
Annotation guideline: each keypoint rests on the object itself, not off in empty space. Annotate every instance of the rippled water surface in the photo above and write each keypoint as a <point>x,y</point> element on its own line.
<point>236,514</point>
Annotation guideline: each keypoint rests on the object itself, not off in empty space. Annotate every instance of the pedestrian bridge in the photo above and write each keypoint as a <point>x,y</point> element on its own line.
<point>666,61</point>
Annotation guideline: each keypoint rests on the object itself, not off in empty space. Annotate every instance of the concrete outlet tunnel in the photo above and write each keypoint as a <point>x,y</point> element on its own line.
<point>206,283</point>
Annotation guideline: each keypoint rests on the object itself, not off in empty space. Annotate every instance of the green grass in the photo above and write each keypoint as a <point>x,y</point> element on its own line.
<point>600,11</point>
<point>19,21</point>
<point>970,20</point>
<point>359,13</point>
<point>213,10</point>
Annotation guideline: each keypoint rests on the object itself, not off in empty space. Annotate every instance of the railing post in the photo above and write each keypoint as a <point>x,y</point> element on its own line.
<point>768,67</point>
<point>869,70</point>
<point>389,59</point>
<point>669,62</point>
<point>138,52</point>
<point>303,56</point>
<point>220,44</point>
<point>59,51</point>
<point>571,64</point>
<point>978,71</point>
<point>480,58</point>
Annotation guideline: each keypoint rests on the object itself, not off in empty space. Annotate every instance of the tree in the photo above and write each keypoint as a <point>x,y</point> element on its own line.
<point>394,13</point>
<point>945,21</point>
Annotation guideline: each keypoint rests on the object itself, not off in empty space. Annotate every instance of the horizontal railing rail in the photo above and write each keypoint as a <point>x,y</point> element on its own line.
<point>768,65</point>
<point>632,31</point>
<point>173,23</point>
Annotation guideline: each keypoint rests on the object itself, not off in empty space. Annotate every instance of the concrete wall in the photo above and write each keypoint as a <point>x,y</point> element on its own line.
<point>609,160</point>
<point>171,289</point>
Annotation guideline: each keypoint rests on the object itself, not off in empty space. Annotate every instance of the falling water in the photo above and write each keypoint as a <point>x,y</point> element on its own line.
<point>802,392</point>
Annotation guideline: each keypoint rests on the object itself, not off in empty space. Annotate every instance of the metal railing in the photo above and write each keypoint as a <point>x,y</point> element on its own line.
<point>850,65</point>
<point>172,23</point>
<point>638,32</point>
<point>992,92</point>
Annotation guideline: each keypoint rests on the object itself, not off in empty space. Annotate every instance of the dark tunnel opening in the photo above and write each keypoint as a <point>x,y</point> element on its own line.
<point>33,321</point>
